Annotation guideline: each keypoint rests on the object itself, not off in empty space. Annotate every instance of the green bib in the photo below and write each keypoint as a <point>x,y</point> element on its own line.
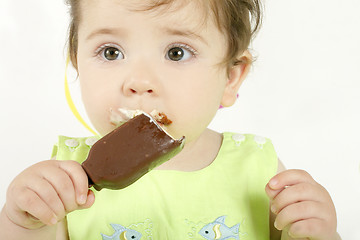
<point>225,200</point>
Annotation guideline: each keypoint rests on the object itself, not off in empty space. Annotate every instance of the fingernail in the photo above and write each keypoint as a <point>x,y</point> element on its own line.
<point>273,209</point>
<point>53,221</point>
<point>82,199</point>
<point>275,225</point>
<point>273,182</point>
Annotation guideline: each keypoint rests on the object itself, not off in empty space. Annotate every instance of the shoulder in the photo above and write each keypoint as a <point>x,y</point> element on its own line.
<point>252,150</point>
<point>73,148</point>
<point>254,153</point>
<point>249,142</point>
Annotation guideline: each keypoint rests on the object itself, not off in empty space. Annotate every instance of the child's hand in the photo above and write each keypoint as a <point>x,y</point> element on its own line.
<point>44,193</point>
<point>303,207</point>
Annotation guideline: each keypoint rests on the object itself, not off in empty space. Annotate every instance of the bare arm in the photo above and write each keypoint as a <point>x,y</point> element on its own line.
<point>39,199</point>
<point>7,228</point>
<point>12,231</point>
<point>62,230</point>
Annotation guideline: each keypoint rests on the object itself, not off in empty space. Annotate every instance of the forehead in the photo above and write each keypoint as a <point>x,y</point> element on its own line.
<point>195,13</point>
<point>161,5</point>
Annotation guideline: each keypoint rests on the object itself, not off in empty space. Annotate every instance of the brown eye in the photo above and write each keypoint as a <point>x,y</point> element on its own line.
<point>112,53</point>
<point>181,52</point>
<point>176,54</point>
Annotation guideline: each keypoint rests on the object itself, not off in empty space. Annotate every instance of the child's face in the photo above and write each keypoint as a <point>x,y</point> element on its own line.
<point>150,60</point>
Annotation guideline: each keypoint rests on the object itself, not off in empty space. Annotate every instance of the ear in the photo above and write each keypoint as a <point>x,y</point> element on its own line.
<point>236,75</point>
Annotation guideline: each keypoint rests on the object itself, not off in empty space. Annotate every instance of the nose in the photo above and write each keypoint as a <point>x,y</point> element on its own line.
<point>140,82</point>
<point>136,87</point>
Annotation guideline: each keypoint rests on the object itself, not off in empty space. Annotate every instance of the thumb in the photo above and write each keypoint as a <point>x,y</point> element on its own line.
<point>285,235</point>
<point>89,200</point>
<point>270,192</point>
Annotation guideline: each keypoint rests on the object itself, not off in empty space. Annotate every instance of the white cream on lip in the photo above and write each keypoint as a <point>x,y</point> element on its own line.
<point>121,115</point>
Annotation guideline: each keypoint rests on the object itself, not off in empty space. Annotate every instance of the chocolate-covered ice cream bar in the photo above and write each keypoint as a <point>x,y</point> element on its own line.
<point>129,152</point>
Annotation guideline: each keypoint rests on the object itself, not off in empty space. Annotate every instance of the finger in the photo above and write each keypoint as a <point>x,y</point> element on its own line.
<point>48,195</point>
<point>29,202</point>
<point>89,201</point>
<point>79,179</point>
<point>285,235</point>
<point>309,228</point>
<point>63,185</point>
<point>288,178</point>
<point>296,212</point>
<point>271,193</point>
<point>297,193</point>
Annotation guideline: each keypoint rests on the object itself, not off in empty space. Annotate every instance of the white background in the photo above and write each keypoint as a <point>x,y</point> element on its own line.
<point>303,92</point>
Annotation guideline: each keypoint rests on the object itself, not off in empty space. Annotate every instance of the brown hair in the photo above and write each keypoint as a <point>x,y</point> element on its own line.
<point>239,20</point>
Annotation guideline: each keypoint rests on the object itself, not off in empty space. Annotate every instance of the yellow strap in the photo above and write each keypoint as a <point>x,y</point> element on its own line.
<point>71,103</point>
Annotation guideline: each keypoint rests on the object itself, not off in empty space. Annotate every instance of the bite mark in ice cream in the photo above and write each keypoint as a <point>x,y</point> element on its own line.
<point>120,116</point>
<point>130,151</point>
<point>160,117</point>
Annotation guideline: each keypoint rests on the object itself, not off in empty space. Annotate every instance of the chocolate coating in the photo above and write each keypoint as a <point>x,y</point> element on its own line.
<point>129,152</point>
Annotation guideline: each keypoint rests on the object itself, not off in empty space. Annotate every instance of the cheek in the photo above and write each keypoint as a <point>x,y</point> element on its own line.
<point>97,102</point>
<point>196,105</point>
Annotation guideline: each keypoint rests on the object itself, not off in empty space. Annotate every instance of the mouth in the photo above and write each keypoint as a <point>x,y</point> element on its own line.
<point>121,115</point>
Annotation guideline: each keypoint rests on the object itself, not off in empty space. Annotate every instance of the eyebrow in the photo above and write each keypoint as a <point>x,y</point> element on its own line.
<point>104,31</point>
<point>185,33</point>
<point>168,31</point>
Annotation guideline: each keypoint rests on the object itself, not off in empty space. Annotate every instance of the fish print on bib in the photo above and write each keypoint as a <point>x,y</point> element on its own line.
<point>122,233</point>
<point>219,231</point>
